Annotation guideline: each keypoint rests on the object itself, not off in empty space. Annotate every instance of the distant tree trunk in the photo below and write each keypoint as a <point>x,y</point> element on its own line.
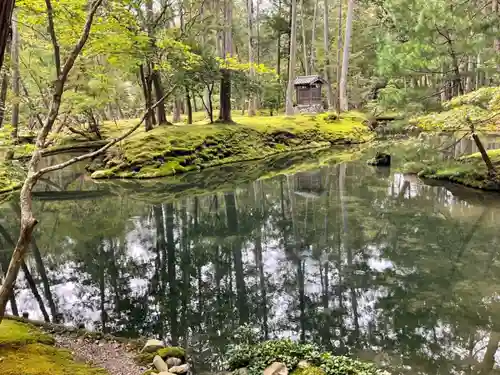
<point>344,104</point>
<point>16,78</point>
<point>161,113</point>
<point>292,62</point>
<point>326,46</point>
<point>6,8</point>
<point>177,111</point>
<point>304,41</point>
<point>469,81</point>
<point>251,99</point>
<point>188,107</point>
<point>278,46</point>
<point>195,103</point>
<point>146,89</point>
<point>225,84</point>
<point>3,96</point>
<point>313,38</point>
<point>339,59</point>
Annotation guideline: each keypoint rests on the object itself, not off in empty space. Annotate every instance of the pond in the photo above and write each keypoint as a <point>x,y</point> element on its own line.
<point>362,261</point>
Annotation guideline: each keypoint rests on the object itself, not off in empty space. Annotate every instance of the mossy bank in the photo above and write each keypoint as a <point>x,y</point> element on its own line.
<point>170,150</point>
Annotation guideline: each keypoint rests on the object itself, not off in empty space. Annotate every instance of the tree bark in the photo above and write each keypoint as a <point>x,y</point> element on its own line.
<point>146,90</point>
<point>251,98</point>
<point>3,96</point>
<point>15,48</point>
<point>225,84</point>
<point>326,46</point>
<point>339,58</point>
<point>6,8</point>
<point>313,38</point>
<point>304,42</point>
<point>161,113</point>
<point>189,108</point>
<point>292,62</point>
<point>344,104</point>
<point>177,111</point>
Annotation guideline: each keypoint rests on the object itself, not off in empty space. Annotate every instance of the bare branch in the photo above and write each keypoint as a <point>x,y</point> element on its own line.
<point>111,143</point>
<point>53,37</point>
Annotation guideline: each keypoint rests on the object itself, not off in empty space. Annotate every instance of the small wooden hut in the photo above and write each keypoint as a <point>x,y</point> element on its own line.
<point>308,90</point>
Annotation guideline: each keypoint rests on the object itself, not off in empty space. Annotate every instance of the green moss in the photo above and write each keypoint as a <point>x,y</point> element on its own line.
<point>11,176</point>
<point>26,350</point>
<point>171,150</point>
<point>172,351</point>
<point>311,370</point>
<point>40,359</point>
<point>15,334</point>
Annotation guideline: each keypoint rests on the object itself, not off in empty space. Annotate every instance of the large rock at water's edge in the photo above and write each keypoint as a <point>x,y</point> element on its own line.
<point>182,369</point>
<point>152,346</point>
<point>303,364</point>
<point>380,160</point>
<point>173,361</point>
<point>160,364</point>
<point>276,368</point>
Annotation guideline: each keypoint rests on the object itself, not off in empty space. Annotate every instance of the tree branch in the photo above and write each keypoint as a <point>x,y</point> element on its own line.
<point>105,147</point>
<point>53,37</point>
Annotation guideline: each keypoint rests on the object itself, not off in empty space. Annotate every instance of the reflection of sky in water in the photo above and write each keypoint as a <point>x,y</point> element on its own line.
<point>81,302</point>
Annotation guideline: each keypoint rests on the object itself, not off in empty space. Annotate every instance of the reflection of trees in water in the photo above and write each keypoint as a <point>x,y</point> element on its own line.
<point>382,268</point>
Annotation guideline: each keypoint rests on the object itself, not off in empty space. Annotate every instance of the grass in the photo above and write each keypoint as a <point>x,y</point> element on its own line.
<point>469,170</point>
<point>25,350</point>
<point>170,150</point>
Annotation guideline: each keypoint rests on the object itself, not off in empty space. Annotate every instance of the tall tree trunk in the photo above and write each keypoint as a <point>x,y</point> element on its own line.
<point>304,42</point>
<point>469,81</point>
<point>225,83</point>
<point>339,59</point>
<point>251,98</point>
<point>292,62</point>
<point>188,107</point>
<point>16,78</point>
<point>6,8</point>
<point>313,38</point>
<point>161,113</point>
<point>3,95</point>
<point>146,90</point>
<point>326,47</point>
<point>344,104</point>
<point>177,111</point>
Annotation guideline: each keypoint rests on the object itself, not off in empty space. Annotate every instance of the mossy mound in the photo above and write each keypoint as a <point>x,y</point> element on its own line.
<point>170,150</point>
<point>257,357</point>
<point>479,106</point>
<point>469,170</point>
<point>171,351</point>
<point>26,350</point>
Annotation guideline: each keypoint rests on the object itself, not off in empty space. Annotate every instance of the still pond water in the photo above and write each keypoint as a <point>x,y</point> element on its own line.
<point>361,261</point>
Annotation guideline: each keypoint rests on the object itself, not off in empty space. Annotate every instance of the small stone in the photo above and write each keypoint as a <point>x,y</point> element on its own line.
<point>165,373</point>
<point>182,369</point>
<point>241,371</point>
<point>276,368</point>
<point>172,361</point>
<point>160,364</point>
<point>303,364</point>
<point>152,346</point>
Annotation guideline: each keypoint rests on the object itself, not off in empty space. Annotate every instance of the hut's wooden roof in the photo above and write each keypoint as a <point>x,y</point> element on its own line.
<point>308,80</point>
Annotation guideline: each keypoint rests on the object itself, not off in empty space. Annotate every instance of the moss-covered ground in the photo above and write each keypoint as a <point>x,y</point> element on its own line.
<point>469,170</point>
<point>170,150</point>
<point>25,350</point>
<point>481,106</point>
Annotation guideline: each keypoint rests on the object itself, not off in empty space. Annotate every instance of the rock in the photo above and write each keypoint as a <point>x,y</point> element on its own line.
<point>164,373</point>
<point>380,160</point>
<point>160,364</point>
<point>182,369</point>
<point>241,371</point>
<point>172,362</point>
<point>152,346</point>
<point>276,368</point>
<point>303,364</point>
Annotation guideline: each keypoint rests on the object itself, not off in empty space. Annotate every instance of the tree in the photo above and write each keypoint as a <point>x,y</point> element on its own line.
<point>227,51</point>
<point>251,99</point>
<point>6,9</point>
<point>326,45</point>
<point>344,105</point>
<point>292,63</point>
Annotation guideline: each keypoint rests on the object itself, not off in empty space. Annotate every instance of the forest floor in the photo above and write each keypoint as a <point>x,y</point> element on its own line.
<point>28,350</point>
<point>171,150</point>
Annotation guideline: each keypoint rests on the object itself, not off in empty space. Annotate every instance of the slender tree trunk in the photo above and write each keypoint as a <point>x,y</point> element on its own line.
<point>34,290</point>
<point>225,84</point>
<point>339,59</point>
<point>161,113</point>
<point>146,89</point>
<point>344,104</point>
<point>15,49</point>
<point>469,82</point>
<point>172,282</point>
<point>188,107</point>
<point>304,41</point>
<point>326,46</point>
<point>6,8</point>
<point>292,62</point>
<point>3,96</point>
<point>45,280</point>
<point>251,98</point>
<point>177,111</point>
<point>313,38</point>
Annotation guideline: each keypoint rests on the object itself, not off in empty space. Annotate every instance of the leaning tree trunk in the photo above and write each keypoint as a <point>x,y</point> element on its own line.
<point>344,105</point>
<point>292,62</point>
<point>6,8</point>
